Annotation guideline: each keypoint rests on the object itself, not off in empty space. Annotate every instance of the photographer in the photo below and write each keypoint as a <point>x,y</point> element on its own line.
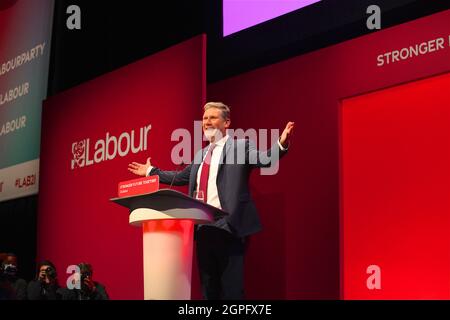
<point>89,289</point>
<point>14,288</point>
<point>5,287</point>
<point>46,286</point>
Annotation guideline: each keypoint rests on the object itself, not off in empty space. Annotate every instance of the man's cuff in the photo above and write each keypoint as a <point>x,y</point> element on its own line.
<point>281,147</point>
<point>148,171</point>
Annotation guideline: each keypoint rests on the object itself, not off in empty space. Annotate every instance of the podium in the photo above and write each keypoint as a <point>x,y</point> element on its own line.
<point>167,218</point>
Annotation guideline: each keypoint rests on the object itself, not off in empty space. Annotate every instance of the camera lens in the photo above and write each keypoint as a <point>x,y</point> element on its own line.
<point>50,272</point>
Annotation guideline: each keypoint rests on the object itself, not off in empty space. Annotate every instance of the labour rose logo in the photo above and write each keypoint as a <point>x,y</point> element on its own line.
<point>79,154</point>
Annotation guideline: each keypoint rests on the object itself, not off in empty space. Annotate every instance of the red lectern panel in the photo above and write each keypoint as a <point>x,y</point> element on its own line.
<point>395,192</point>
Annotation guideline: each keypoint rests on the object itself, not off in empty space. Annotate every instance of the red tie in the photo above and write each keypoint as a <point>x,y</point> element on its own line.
<point>204,175</point>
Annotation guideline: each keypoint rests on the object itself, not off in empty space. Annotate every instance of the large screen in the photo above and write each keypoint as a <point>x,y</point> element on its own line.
<point>242,14</point>
<point>25,33</point>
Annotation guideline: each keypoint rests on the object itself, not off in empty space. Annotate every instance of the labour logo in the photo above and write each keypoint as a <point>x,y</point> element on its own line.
<point>79,154</point>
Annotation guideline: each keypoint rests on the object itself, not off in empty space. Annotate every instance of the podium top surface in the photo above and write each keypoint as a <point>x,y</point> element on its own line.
<point>168,200</point>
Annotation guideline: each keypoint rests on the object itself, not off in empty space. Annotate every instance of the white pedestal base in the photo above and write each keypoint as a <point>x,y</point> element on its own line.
<point>168,248</point>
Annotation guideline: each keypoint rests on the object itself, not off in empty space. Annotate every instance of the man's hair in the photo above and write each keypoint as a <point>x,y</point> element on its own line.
<point>221,106</point>
<point>45,263</point>
<point>4,256</point>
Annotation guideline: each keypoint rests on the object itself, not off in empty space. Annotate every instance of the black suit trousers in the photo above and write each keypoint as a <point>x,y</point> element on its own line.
<point>220,258</point>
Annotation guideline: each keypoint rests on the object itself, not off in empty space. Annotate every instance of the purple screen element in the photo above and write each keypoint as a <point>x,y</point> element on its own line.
<point>242,14</point>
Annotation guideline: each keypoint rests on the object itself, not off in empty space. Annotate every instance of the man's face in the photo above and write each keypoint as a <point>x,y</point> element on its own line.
<point>11,260</point>
<point>48,273</point>
<point>42,271</point>
<point>212,119</point>
<point>10,266</point>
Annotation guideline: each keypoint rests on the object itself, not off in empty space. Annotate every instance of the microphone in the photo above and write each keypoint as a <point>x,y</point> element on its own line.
<point>176,173</point>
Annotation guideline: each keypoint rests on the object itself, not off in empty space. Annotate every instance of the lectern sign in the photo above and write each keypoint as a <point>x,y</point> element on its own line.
<point>138,186</point>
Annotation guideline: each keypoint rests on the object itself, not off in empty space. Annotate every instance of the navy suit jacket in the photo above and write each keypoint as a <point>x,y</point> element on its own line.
<point>238,158</point>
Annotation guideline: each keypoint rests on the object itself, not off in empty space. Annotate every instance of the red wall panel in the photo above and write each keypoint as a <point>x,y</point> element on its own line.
<point>297,255</point>
<point>395,191</point>
<point>77,222</point>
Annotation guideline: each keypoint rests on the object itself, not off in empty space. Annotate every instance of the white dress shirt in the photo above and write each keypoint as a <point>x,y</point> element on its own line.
<point>212,193</point>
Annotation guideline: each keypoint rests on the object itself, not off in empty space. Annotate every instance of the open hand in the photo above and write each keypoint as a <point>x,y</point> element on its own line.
<point>139,168</point>
<point>287,133</point>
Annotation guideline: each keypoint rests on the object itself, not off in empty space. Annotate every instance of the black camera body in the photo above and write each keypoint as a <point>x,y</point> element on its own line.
<point>50,272</point>
<point>84,275</point>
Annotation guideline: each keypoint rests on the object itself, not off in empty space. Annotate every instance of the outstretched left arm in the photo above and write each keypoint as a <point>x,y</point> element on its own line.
<point>265,159</point>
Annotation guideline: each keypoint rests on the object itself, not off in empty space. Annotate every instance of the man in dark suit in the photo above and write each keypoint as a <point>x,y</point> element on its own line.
<point>220,172</point>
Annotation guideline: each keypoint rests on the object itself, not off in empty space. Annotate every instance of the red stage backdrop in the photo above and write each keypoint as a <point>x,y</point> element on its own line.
<point>89,135</point>
<point>297,256</point>
<point>395,192</point>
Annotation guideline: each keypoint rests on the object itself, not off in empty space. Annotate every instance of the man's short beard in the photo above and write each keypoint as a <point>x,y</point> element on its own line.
<point>211,133</point>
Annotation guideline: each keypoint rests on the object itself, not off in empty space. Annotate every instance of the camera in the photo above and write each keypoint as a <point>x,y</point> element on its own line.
<point>50,272</point>
<point>84,275</point>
